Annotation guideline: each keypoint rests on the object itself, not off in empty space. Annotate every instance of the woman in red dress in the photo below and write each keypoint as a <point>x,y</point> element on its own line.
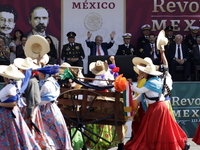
<point>158,130</point>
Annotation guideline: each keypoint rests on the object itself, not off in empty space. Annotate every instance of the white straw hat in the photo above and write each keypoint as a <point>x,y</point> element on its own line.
<point>36,45</point>
<point>136,69</point>
<point>11,72</point>
<point>161,39</point>
<point>138,61</point>
<point>25,64</point>
<point>98,68</point>
<point>150,69</point>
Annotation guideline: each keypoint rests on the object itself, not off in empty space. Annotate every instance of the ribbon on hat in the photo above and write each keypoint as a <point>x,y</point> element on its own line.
<point>114,70</point>
<point>67,74</point>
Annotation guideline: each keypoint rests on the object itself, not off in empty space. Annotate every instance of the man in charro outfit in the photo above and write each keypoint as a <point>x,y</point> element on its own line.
<point>72,52</point>
<point>143,39</point>
<point>126,48</point>
<point>170,36</point>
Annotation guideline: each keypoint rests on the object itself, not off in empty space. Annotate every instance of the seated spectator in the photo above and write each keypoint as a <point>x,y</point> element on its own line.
<point>150,50</point>
<point>52,53</point>
<point>126,48</point>
<point>170,36</point>
<point>143,39</point>
<point>4,55</point>
<point>179,55</point>
<point>98,48</point>
<point>73,52</point>
<point>191,39</point>
<point>16,41</point>
<point>196,52</point>
<point>20,48</point>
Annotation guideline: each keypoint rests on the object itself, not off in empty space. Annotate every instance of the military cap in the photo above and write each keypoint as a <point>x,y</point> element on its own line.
<point>71,34</point>
<point>169,28</point>
<point>146,27</point>
<point>194,29</point>
<point>126,36</point>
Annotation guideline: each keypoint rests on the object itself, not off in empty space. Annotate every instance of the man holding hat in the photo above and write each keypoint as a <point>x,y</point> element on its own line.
<point>170,36</point>
<point>126,48</point>
<point>191,39</point>
<point>143,39</point>
<point>72,52</point>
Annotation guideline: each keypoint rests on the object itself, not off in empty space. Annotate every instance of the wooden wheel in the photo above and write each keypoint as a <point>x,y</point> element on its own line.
<point>86,107</point>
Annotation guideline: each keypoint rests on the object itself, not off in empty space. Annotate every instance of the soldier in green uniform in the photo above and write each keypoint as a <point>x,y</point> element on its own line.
<point>72,52</point>
<point>143,39</point>
<point>170,36</point>
<point>191,39</point>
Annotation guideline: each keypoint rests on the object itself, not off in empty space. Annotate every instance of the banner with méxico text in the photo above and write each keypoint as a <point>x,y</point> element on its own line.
<point>186,103</point>
<point>160,14</point>
<point>97,16</point>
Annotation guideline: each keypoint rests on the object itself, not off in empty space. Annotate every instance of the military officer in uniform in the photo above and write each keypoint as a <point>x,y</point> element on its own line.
<point>143,39</point>
<point>72,52</point>
<point>126,48</point>
<point>170,36</point>
<point>191,39</point>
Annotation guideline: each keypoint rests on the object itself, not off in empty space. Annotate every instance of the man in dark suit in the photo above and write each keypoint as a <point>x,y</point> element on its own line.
<point>151,51</point>
<point>179,55</point>
<point>143,39</point>
<point>196,52</point>
<point>20,48</point>
<point>72,52</point>
<point>98,48</point>
<point>126,48</point>
<point>170,36</point>
<point>191,39</point>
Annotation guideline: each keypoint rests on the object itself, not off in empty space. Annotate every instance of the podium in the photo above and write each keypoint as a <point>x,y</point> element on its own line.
<point>123,62</point>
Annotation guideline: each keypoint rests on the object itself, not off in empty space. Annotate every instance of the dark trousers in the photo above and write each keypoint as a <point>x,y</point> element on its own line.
<point>186,66</point>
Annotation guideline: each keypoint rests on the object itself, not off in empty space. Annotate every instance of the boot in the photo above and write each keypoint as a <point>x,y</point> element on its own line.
<point>120,146</point>
<point>187,146</point>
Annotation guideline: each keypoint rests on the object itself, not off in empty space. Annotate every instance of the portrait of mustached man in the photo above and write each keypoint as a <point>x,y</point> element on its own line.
<point>8,18</point>
<point>39,19</point>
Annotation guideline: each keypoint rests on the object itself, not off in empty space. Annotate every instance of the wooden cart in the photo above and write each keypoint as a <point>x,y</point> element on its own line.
<point>81,104</point>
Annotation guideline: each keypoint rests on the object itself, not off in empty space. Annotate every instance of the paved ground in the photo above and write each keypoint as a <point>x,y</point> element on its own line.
<point>193,146</point>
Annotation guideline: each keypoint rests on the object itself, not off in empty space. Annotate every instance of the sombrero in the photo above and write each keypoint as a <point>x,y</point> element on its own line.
<point>98,68</point>
<point>150,69</point>
<point>11,72</point>
<point>161,39</point>
<point>36,45</point>
<point>25,64</point>
<point>138,61</point>
<point>65,65</point>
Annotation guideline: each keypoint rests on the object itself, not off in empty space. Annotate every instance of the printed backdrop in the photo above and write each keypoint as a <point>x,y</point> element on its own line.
<point>159,14</point>
<point>23,7</point>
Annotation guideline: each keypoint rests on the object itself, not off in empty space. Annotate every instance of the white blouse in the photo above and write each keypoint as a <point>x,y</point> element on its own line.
<point>49,87</point>
<point>9,89</point>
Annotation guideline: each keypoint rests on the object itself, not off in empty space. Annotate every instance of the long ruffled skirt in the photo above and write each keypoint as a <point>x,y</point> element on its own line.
<point>55,126</point>
<point>41,138</point>
<point>14,132</point>
<point>196,137</point>
<point>158,131</point>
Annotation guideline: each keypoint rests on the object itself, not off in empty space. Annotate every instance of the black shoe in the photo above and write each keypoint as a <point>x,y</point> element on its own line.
<point>120,146</point>
<point>187,146</point>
